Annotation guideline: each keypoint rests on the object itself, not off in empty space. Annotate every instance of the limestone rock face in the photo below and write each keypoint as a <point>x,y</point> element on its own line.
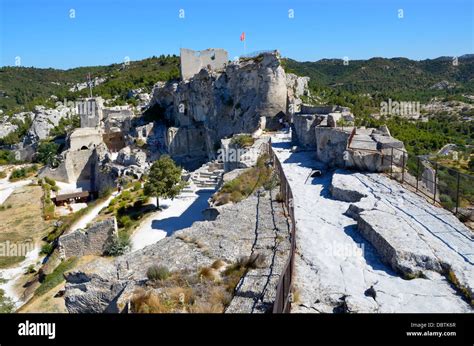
<point>409,248</point>
<point>92,288</point>
<point>7,125</point>
<point>45,120</point>
<point>128,157</point>
<point>235,157</point>
<point>223,103</point>
<point>304,129</point>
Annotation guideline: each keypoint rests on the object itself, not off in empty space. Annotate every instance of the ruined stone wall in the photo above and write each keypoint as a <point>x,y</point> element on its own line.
<point>84,138</point>
<point>192,61</point>
<point>90,111</point>
<point>76,166</point>
<point>93,241</point>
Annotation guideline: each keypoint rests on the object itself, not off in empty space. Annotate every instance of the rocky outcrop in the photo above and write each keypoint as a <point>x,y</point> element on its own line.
<point>394,252</point>
<point>244,97</point>
<point>95,240</point>
<point>128,156</point>
<point>45,120</point>
<point>412,249</point>
<point>331,144</point>
<point>297,87</point>
<point>236,157</point>
<point>103,285</point>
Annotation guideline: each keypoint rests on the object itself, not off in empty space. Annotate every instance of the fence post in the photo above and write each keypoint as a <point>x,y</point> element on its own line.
<point>391,165</point>
<point>457,195</point>
<point>403,168</point>
<point>417,172</point>
<point>435,183</point>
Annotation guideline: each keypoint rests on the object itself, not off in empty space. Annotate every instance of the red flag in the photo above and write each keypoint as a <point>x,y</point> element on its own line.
<point>242,36</point>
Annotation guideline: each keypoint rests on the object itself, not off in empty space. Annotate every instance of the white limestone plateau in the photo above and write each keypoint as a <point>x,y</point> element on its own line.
<point>399,254</point>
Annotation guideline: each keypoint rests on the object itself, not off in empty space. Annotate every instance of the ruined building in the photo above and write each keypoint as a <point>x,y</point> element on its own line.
<point>90,145</point>
<point>244,96</point>
<point>192,61</point>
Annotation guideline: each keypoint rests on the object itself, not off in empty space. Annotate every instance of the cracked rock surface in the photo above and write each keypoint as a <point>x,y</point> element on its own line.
<point>255,225</point>
<point>386,251</point>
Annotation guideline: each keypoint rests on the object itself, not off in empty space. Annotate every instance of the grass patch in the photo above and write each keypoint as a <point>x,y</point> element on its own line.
<point>157,273</point>
<point>246,183</point>
<point>206,290</point>
<point>129,208</point>
<point>8,261</point>
<point>23,173</point>
<point>56,277</point>
<point>465,292</point>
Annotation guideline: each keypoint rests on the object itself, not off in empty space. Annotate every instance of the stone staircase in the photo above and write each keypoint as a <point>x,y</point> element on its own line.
<point>208,176</point>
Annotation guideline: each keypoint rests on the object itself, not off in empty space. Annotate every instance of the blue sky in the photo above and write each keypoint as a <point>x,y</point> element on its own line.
<point>42,33</point>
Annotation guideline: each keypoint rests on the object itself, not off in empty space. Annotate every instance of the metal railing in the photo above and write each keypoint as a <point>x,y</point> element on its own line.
<point>257,53</point>
<point>283,299</point>
<point>449,187</point>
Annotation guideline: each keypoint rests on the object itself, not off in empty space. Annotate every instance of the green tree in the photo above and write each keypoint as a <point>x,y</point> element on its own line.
<point>471,164</point>
<point>47,152</point>
<point>164,180</point>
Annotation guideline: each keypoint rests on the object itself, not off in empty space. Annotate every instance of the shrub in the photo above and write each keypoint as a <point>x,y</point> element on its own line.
<point>136,186</point>
<point>6,304</point>
<point>31,269</point>
<point>243,141</point>
<point>157,273</point>
<point>209,273</point>
<point>46,249</point>
<point>50,181</point>
<point>119,246</point>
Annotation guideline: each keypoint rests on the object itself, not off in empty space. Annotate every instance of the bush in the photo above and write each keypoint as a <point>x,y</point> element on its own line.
<point>119,246</point>
<point>136,186</point>
<point>50,181</point>
<point>157,273</point>
<point>243,141</point>
<point>22,173</point>
<point>7,157</point>
<point>6,304</point>
<point>46,249</point>
<point>31,269</point>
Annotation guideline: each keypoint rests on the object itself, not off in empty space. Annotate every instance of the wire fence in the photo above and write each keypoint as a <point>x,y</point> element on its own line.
<point>441,184</point>
<point>283,298</point>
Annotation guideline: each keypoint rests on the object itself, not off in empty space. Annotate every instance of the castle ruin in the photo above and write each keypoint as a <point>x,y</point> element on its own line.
<point>193,61</point>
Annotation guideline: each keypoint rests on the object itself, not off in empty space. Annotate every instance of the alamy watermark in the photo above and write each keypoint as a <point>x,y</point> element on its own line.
<point>11,249</point>
<point>400,108</point>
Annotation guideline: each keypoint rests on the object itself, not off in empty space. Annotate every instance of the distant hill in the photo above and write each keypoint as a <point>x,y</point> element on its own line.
<point>23,87</point>
<point>389,76</point>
